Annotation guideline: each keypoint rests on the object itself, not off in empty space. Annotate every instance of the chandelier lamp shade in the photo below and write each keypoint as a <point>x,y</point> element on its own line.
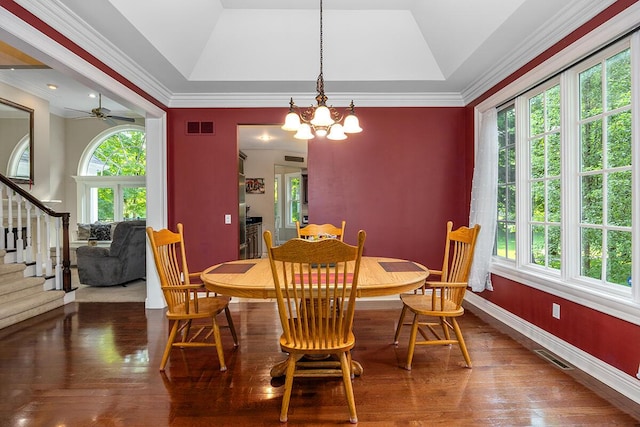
<point>321,120</point>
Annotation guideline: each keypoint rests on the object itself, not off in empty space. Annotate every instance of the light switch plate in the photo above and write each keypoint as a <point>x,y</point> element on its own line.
<point>227,219</point>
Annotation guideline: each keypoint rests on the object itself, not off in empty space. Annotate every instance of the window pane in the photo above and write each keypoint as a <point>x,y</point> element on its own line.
<point>501,239</point>
<point>592,199</point>
<point>511,203</point>
<point>553,200</point>
<point>134,203</point>
<point>619,80</point>
<point>619,140</point>
<point>619,199</point>
<point>591,92</point>
<point>553,154</point>
<point>538,245</point>
<point>537,201</point>
<point>553,108</point>
<point>554,247</point>
<point>502,166</point>
<point>511,241</point>
<point>536,115</point>
<point>104,200</point>
<point>591,243</point>
<point>502,203</point>
<point>591,138</point>
<point>511,125</point>
<point>619,257</point>
<point>123,153</point>
<point>537,158</point>
<point>511,152</point>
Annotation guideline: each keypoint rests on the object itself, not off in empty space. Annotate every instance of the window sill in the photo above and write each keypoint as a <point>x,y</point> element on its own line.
<point>618,306</point>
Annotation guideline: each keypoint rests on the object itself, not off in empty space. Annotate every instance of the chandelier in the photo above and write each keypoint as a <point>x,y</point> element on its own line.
<point>321,120</point>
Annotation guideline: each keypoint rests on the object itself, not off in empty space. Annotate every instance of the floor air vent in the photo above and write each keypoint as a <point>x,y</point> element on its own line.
<point>554,359</point>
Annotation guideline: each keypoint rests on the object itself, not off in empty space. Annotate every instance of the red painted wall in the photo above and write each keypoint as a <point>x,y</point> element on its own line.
<point>607,338</point>
<point>400,180</point>
<point>610,339</point>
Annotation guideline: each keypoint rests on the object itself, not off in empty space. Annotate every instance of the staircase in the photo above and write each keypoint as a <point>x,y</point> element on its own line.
<point>32,282</point>
<point>23,295</point>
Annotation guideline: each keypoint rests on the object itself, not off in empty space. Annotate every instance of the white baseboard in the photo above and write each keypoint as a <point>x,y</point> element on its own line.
<point>609,375</point>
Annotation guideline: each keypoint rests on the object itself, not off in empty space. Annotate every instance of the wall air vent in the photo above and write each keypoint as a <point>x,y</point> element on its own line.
<point>294,159</point>
<point>200,128</point>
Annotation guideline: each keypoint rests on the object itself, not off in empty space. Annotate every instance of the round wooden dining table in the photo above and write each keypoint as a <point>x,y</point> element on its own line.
<point>252,278</point>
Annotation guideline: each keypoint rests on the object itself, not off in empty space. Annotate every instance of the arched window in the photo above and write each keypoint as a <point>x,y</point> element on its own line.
<point>111,176</point>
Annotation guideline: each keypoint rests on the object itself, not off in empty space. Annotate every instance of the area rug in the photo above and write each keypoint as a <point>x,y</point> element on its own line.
<point>135,291</point>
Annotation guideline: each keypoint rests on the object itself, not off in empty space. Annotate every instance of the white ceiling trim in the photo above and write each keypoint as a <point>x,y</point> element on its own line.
<point>70,25</point>
<point>247,100</point>
<point>611,30</point>
<point>68,60</point>
<point>563,23</point>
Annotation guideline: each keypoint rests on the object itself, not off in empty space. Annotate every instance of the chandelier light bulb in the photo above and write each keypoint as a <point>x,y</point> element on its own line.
<point>336,133</point>
<point>322,117</point>
<point>291,122</point>
<point>304,132</point>
<point>352,124</point>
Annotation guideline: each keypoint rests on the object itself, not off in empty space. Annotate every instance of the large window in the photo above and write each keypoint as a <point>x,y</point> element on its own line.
<point>111,181</point>
<point>573,188</point>
<point>605,171</point>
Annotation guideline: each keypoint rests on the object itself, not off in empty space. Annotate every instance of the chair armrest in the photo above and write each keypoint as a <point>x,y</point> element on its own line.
<point>92,251</point>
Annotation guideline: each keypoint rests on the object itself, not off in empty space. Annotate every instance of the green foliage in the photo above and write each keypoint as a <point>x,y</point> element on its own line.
<point>122,154</point>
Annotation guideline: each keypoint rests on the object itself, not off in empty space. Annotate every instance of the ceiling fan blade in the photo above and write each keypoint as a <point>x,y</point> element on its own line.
<point>79,111</point>
<point>124,119</point>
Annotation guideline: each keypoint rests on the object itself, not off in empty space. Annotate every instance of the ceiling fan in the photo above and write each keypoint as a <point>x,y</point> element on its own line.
<point>102,113</point>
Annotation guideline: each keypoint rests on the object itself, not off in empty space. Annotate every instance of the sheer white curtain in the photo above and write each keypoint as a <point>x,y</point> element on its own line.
<point>484,200</point>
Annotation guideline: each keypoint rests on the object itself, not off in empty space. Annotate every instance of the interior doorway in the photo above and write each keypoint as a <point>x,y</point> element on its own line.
<point>271,156</point>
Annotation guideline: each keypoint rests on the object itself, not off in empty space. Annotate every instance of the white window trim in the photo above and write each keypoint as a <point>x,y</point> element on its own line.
<point>620,306</point>
<point>84,185</point>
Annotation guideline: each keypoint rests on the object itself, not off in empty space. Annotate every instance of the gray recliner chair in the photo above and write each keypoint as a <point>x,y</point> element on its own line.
<point>122,262</point>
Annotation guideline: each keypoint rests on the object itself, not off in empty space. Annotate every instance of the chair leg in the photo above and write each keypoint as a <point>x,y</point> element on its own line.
<point>463,346</point>
<point>345,364</point>
<point>227,313</point>
<point>167,349</point>
<point>288,386</point>
<point>218,341</point>
<point>402,314</point>
<point>445,328</point>
<point>412,342</point>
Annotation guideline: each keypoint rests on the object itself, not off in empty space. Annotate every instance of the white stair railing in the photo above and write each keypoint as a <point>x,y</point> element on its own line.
<point>40,238</point>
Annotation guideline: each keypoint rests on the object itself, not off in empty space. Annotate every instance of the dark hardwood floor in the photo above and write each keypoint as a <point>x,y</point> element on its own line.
<point>96,364</point>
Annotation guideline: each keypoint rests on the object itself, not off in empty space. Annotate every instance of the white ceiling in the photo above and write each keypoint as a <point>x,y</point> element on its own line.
<point>235,53</point>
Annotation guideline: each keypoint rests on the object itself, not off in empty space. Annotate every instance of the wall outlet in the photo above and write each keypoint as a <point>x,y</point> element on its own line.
<point>227,219</point>
<point>555,312</point>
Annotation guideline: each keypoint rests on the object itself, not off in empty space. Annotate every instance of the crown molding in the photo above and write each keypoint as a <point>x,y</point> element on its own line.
<point>62,19</point>
<point>239,100</point>
<point>567,20</point>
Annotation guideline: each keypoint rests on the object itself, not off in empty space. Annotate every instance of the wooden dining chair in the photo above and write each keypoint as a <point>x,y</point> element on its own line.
<point>442,299</point>
<point>319,231</point>
<point>315,284</point>
<point>182,297</point>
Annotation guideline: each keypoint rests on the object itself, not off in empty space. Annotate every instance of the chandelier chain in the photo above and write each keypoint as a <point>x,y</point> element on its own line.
<point>321,98</point>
